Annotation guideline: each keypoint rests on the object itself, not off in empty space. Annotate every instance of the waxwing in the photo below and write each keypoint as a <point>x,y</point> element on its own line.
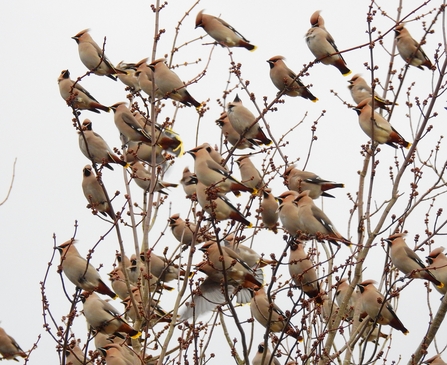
<point>142,178</point>
<point>284,78</point>
<point>228,261</point>
<point>161,267</point>
<point>95,148</point>
<point>407,261</point>
<point>269,210</point>
<point>230,133</point>
<point>94,192</point>
<point>243,122</point>
<point>340,296</point>
<point>322,45</point>
<point>80,272</point>
<point>183,231</point>
<point>103,317</point>
<point>372,302</point>
<point>298,213</point>
<point>438,267</point>
<point>114,354</point>
<point>379,129</point>
<point>189,182</point>
<point>299,181</point>
<point>303,273</point>
<point>93,57</point>
<point>247,254</point>
<point>128,125</point>
<point>410,50</point>
<point>435,360</point>
<point>212,174</point>
<point>250,176</point>
<point>263,310</point>
<point>9,348</point>
<point>360,91</point>
<point>119,285</point>
<point>219,207</point>
<point>170,85</point>
<point>129,79</point>
<point>222,32</point>
<point>143,152</point>
<point>76,96</point>
<point>75,356</point>
<point>263,356</point>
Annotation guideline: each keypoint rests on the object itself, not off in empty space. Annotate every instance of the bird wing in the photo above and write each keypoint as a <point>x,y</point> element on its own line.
<point>224,23</point>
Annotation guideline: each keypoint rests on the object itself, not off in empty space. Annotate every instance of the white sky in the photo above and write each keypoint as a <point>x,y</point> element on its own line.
<point>47,197</point>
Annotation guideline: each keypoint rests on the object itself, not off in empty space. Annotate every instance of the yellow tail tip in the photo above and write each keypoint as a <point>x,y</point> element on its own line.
<point>255,191</point>
<point>408,145</point>
<point>250,225</point>
<point>254,48</point>
<point>347,73</point>
<point>136,336</point>
<point>315,100</point>
<point>440,286</point>
<point>127,165</point>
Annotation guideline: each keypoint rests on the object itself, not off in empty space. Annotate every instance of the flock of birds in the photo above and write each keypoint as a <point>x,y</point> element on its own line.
<point>227,262</point>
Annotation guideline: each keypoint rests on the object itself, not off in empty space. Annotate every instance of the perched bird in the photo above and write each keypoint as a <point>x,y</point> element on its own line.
<point>95,148</point>
<point>284,78</point>
<point>243,122</point>
<point>269,210</point>
<point>145,78</point>
<point>253,259</point>
<point>435,360</point>
<point>263,356</point>
<point>410,50</point>
<point>161,267</point>
<point>299,181</point>
<point>143,177</point>
<point>438,267</point>
<point>222,32</point>
<point>298,213</point>
<point>75,356</point>
<point>170,84</point>
<point>183,231</point>
<point>93,57</point>
<point>129,79</point>
<point>340,296</point>
<point>94,192</point>
<point>407,261</point>
<point>143,152</point>
<point>219,207</point>
<point>360,91</point>
<point>303,273</point>
<point>230,133</point>
<point>119,285</point>
<point>189,182</point>
<point>76,96</point>
<point>115,354</point>
<point>229,261</point>
<point>104,317</point>
<point>128,125</point>
<point>372,302</point>
<point>263,310</point>
<point>378,129</point>
<point>212,174</point>
<point>322,45</point>
<point>80,272</point>
<point>9,348</point>
<point>250,176</point>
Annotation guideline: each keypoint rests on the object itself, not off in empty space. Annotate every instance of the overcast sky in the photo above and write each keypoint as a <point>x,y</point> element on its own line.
<point>47,198</point>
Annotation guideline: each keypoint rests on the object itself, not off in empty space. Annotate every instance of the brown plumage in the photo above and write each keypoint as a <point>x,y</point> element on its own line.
<point>372,302</point>
<point>285,79</point>
<point>222,32</point>
<point>410,50</point>
<point>76,96</point>
<point>379,129</point>
<point>299,181</point>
